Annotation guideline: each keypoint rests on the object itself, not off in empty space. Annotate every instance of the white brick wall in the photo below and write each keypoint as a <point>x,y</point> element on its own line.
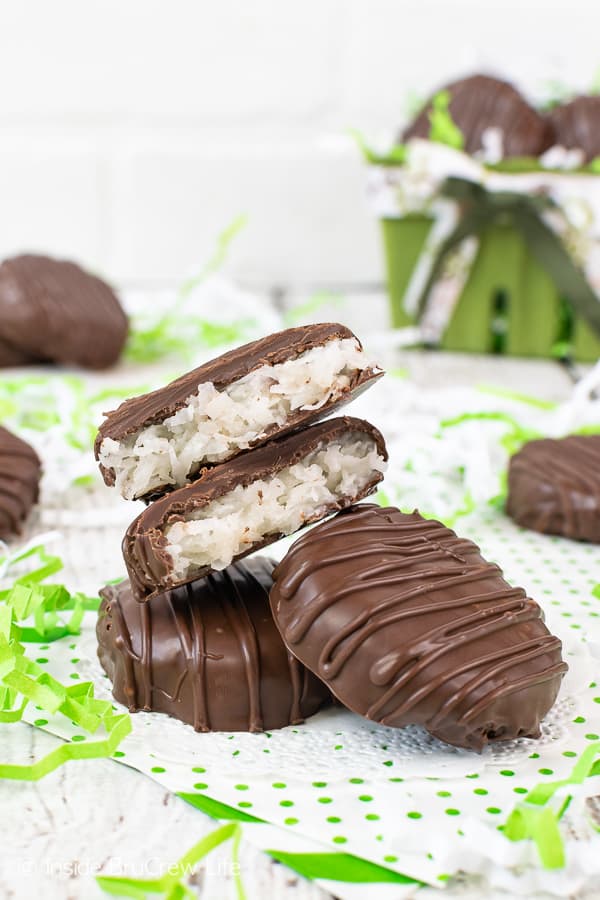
<point>132,131</point>
<point>307,216</point>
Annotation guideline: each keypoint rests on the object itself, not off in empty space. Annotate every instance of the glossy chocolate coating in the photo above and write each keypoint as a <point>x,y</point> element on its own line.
<point>408,624</point>
<point>53,311</point>
<point>208,654</point>
<point>480,102</point>
<point>148,563</point>
<point>20,473</point>
<point>554,487</point>
<point>156,406</point>
<point>577,125</point>
<point>12,356</point>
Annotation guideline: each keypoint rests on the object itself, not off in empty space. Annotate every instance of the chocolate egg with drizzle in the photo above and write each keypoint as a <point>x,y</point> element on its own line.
<point>208,653</point>
<point>408,624</point>
<point>20,474</point>
<point>554,487</point>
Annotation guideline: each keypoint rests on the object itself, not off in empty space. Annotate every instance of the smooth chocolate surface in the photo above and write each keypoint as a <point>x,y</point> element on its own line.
<point>208,654</point>
<point>12,356</point>
<point>480,102</point>
<point>20,473</point>
<point>408,624</point>
<point>577,125</point>
<point>148,562</point>
<point>156,406</point>
<point>53,311</point>
<point>554,487</point>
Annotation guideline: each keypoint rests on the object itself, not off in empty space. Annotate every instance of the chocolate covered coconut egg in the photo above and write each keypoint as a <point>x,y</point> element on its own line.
<point>480,103</point>
<point>408,624</point>
<point>252,501</point>
<point>52,310</point>
<point>554,487</point>
<point>238,401</point>
<point>20,473</point>
<point>208,653</point>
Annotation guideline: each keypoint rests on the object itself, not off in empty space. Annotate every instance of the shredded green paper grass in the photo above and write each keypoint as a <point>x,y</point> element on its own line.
<point>23,681</point>
<point>178,333</point>
<point>536,819</point>
<point>171,886</point>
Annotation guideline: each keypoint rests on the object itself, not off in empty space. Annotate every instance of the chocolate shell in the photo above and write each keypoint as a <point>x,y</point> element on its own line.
<point>481,102</point>
<point>145,547</point>
<point>53,311</point>
<point>408,624</point>
<point>576,125</point>
<point>20,473</point>
<point>12,356</point>
<point>208,654</point>
<point>153,408</point>
<point>554,487</point>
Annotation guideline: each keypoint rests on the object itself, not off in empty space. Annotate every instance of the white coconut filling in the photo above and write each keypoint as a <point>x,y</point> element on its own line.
<point>214,424</point>
<point>212,536</point>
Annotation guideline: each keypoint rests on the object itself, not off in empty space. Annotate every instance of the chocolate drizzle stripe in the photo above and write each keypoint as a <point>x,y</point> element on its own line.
<point>300,623</point>
<point>404,544</point>
<point>123,643</point>
<point>418,660</point>
<point>510,657</point>
<point>438,641</point>
<point>200,658</point>
<point>525,681</point>
<point>242,625</point>
<point>375,622</point>
<point>568,470</point>
<point>402,550</point>
<point>12,516</point>
<point>146,657</point>
<point>298,685</point>
<point>528,650</point>
<point>547,674</point>
<point>190,631</point>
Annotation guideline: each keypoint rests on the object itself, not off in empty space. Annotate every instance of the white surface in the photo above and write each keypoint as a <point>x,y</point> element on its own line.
<point>100,816</point>
<point>95,817</point>
<point>132,132</point>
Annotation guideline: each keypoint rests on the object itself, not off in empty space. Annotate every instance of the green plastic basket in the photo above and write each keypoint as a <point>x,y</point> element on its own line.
<point>509,303</point>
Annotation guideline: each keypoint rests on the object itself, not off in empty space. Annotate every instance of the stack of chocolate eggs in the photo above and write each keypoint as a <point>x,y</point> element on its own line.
<point>393,614</point>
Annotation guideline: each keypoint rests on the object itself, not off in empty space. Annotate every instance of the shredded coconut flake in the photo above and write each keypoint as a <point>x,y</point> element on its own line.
<point>215,424</point>
<point>277,505</point>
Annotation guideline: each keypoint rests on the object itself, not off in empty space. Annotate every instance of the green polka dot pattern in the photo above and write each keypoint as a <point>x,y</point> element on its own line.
<point>357,789</point>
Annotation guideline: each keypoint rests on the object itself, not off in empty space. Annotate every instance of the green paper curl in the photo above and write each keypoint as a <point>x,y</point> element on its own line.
<point>118,727</point>
<point>517,396</point>
<point>512,441</point>
<point>533,819</point>
<point>443,128</point>
<point>171,885</point>
<point>23,681</point>
<point>174,333</point>
<point>29,598</point>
